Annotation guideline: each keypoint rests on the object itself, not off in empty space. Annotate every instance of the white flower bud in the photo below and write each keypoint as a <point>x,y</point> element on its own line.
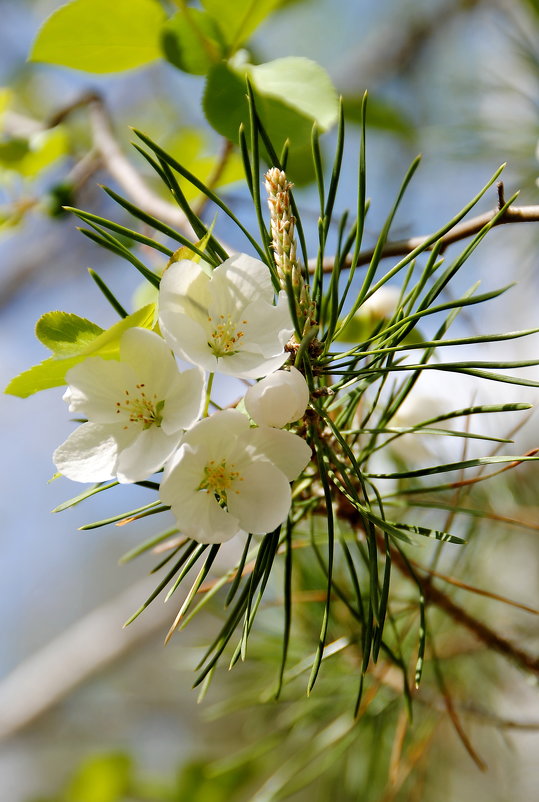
<point>280,398</point>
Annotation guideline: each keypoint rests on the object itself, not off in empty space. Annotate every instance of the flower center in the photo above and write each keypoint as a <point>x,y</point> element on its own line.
<point>140,408</point>
<point>218,479</point>
<point>225,335</point>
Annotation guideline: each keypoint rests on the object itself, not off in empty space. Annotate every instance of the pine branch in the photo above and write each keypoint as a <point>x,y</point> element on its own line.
<point>514,214</point>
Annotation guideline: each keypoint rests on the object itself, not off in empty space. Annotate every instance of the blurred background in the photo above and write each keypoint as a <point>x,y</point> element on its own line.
<point>86,705</point>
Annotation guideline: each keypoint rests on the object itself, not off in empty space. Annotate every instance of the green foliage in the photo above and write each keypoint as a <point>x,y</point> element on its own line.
<point>198,783</point>
<point>113,777</point>
<point>66,334</point>
<point>239,19</point>
<point>104,778</point>
<point>291,95</point>
<point>192,41</point>
<point>383,115</point>
<point>191,146</point>
<point>72,339</point>
<point>30,157</point>
<point>99,36</point>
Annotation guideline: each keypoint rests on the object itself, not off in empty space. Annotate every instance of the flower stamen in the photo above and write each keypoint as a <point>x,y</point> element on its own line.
<point>225,335</point>
<point>141,409</point>
<point>218,479</point>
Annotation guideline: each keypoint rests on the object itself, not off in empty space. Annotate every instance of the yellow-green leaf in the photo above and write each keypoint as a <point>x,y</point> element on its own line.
<point>66,334</point>
<point>192,41</point>
<point>52,372</point>
<point>101,36</point>
<point>291,94</point>
<point>238,19</point>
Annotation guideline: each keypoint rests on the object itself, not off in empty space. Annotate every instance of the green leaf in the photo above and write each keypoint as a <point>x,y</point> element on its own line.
<point>103,778</point>
<point>100,36</point>
<point>6,96</point>
<point>291,94</point>
<point>299,83</point>
<point>66,334</point>
<point>192,41</point>
<point>239,19</point>
<point>382,114</point>
<point>29,157</point>
<point>12,151</point>
<point>192,148</point>
<point>52,372</point>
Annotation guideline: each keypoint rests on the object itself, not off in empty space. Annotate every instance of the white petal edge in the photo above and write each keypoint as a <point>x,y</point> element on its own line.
<point>261,499</point>
<point>89,454</point>
<point>146,454</point>
<point>286,450</point>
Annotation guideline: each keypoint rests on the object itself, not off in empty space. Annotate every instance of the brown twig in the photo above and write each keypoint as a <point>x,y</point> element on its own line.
<point>472,589</point>
<point>481,631</point>
<point>514,214</point>
<point>105,145</point>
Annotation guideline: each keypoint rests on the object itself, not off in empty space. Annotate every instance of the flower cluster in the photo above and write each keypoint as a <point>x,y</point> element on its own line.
<point>221,474</point>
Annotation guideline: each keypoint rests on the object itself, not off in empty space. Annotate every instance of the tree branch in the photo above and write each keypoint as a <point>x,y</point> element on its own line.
<point>514,214</point>
<point>481,631</point>
<point>84,649</point>
<point>105,146</point>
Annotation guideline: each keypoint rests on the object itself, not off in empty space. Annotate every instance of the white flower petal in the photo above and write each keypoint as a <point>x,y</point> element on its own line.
<point>128,401</point>
<point>219,436</point>
<point>95,385</point>
<point>89,454</point>
<point>184,401</point>
<point>261,499</point>
<point>249,365</point>
<point>239,281</point>
<point>225,322</point>
<point>146,454</point>
<point>184,290</point>
<point>202,519</point>
<point>197,513</point>
<point>150,358</point>
<point>287,451</point>
<point>268,327</point>
<point>188,340</point>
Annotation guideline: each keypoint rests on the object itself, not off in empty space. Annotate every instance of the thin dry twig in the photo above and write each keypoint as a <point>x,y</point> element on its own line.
<point>105,146</point>
<point>479,591</point>
<point>514,214</point>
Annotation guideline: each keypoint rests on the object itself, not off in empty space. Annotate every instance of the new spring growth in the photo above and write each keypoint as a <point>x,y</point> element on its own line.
<point>282,226</point>
<point>282,223</point>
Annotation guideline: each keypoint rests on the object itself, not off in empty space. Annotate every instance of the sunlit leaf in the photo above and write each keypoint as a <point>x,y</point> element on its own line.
<point>291,94</point>
<point>190,146</point>
<point>103,778</point>
<point>6,95</point>
<point>382,114</point>
<point>29,157</point>
<point>192,41</point>
<point>66,334</point>
<point>240,18</point>
<point>52,372</point>
<point>99,36</point>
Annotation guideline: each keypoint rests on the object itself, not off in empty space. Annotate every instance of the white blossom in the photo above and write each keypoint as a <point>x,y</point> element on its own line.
<point>278,399</point>
<point>137,409</point>
<point>227,477</point>
<point>381,304</point>
<point>225,320</point>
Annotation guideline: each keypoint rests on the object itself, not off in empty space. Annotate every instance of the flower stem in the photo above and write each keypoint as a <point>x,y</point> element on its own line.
<point>208,395</point>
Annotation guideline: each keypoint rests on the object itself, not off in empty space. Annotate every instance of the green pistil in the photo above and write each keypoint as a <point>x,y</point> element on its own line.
<point>218,479</point>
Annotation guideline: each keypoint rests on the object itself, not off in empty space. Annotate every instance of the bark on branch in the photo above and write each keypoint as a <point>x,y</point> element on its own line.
<point>514,214</point>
